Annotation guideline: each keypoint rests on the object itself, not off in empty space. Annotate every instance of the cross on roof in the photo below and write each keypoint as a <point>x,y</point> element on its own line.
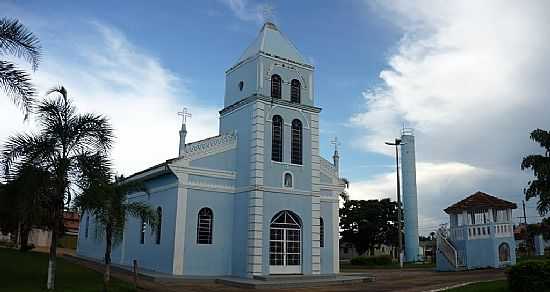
<point>184,114</point>
<point>336,143</point>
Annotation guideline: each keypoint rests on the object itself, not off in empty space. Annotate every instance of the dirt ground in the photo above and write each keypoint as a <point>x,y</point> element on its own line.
<point>410,280</point>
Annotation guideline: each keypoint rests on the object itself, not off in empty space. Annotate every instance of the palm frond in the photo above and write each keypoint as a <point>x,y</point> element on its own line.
<point>17,40</point>
<point>143,211</point>
<point>18,86</point>
<point>26,149</point>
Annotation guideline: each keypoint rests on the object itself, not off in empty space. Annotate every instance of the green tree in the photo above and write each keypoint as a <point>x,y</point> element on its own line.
<point>24,202</point>
<point>105,197</point>
<point>370,223</point>
<point>540,164</point>
<point>16,40</point>
<point>61,144</point>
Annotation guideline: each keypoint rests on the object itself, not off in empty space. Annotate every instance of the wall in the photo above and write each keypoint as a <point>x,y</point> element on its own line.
<point>328,251</point>
<point>270,66</point>
<point>240,234</point>
<point>246,72</point>
<point>150,256</point>
<point>209,259</point>
<point>273,175</point>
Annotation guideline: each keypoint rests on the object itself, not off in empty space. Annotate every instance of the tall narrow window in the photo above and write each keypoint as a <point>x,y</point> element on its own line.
<point>296,147</point>
<point>295,91</point>
<point>321,233</point>
<point>87,225</point>
<point>277,139</point>
<point>276,84</point>
<point>142,232</point>
<point>159,227</point>
<point>204,226</point>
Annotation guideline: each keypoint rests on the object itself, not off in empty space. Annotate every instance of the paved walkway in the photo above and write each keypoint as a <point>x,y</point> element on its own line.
<point>408,280</point>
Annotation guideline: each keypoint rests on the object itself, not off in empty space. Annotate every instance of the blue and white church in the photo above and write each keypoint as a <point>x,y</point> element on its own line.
<point>257,199</point>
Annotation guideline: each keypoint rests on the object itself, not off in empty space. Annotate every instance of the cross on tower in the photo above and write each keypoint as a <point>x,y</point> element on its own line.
<point>267,12</point>
<point>184,114</point>
<point>336,143</point>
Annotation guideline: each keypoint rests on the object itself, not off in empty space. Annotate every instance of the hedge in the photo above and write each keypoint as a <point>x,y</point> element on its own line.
<point>531,276</point>
<point>382,260</point>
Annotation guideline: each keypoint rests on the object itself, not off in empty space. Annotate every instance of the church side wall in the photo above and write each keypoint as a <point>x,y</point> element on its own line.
<point>299,204</point>
<point>222,161</point>
<point>330,249</point>
<point>150,256</point>
<point>209,259</point>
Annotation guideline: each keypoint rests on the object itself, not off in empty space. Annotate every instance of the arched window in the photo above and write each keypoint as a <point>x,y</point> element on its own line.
<point>277,139</point>
<point>159,227</point>
<point>87,226</point>
<point>285,243</point>
<point>504,252</point>
<point>295,91</point>
<point>296,147</point>
<point>288,181</point>
<point>204,226</point>
<point>276,84</point>
<point>321,232</point>
<point>142,231</point>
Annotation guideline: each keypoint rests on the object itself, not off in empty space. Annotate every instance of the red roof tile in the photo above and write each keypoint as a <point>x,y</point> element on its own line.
<point>479,200</point>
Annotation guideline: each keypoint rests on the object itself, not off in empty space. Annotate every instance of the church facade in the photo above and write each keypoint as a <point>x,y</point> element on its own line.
<point>257,199</point>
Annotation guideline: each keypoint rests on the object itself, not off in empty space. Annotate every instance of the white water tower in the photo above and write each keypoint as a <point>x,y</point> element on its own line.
<point>410,208</point>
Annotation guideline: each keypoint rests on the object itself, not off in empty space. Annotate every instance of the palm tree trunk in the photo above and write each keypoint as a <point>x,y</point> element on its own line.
<point>107,275</point>
<point>52,258</point>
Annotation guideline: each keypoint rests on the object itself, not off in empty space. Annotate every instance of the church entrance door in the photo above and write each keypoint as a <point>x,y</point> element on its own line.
<point>285,244</point>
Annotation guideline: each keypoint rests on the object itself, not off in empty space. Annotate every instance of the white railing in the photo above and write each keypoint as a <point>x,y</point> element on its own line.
<point>447,249</point>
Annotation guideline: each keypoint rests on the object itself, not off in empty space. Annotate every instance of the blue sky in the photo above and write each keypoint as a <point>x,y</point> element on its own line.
<point>457,77</point>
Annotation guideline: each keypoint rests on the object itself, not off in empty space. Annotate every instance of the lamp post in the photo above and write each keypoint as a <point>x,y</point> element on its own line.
<point>397,143</point>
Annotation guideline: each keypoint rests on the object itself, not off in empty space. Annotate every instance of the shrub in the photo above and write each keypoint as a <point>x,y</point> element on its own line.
<point>382,260</point>
<point>532,275</point>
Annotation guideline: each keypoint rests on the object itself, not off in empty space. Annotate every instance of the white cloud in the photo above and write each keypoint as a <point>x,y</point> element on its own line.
<point>105,73</point>
<point>438,185</point>
<point>246,11</point>
<point>472,78</point>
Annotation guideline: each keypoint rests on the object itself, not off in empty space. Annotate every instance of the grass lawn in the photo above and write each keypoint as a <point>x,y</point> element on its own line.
<point>28,272</point>
<point>492,286</point>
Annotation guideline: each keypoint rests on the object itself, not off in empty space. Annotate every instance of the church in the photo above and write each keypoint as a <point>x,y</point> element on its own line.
<point>255,200</point>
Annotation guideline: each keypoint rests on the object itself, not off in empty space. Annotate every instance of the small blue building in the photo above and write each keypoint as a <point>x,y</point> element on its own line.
<point>480,234</point>
<point>258,198</point>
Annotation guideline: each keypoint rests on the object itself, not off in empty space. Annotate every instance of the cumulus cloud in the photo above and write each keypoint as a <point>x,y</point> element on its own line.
<point>473,79</point>
<point>105,73</point>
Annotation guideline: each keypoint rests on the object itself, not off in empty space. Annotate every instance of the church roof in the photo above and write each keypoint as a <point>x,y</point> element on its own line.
<point>479,200</point>
<point>271,41</point>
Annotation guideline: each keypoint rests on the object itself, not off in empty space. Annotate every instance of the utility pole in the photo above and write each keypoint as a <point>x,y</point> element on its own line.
<point>399,235</point>
<point>524,215</point>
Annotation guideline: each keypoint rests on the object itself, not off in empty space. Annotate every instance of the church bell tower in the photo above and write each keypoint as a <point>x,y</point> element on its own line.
<point>269,103</point>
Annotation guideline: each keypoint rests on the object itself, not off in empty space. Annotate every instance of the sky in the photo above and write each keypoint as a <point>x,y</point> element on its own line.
<point>471,77</point>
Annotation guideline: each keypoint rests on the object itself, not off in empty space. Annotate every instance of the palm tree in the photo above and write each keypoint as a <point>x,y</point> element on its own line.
<point>106,199</point>
<point>18,41</point>
<point>540,164</point>
<point>64,140</point>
